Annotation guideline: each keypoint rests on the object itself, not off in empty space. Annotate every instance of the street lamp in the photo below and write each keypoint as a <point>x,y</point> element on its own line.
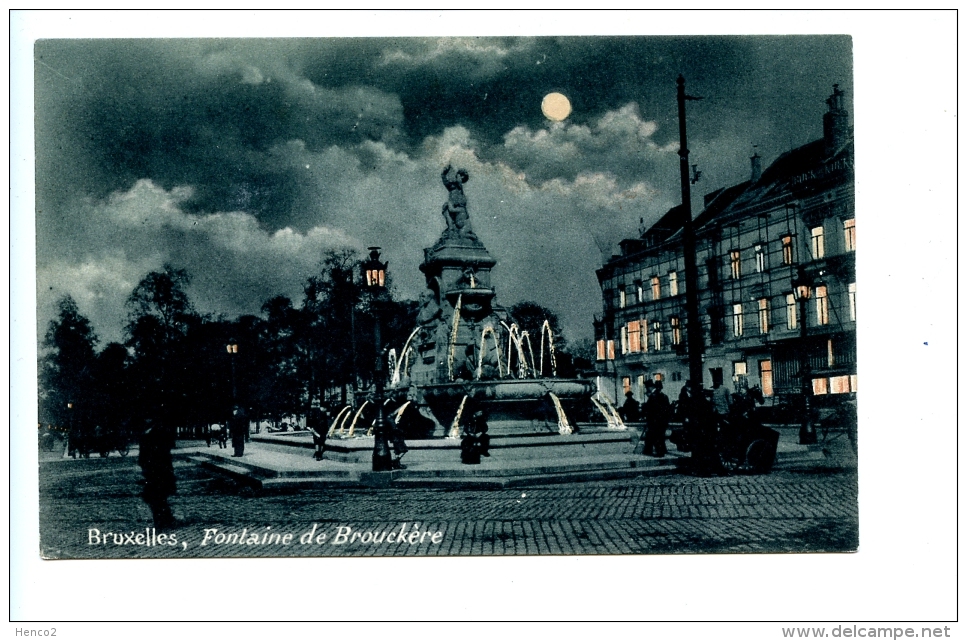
<point>232,349</point>
<point>802,290</point>
<point>374,278</point>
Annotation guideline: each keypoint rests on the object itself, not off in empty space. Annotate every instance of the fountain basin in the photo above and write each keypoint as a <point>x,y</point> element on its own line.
<point>524,403</point>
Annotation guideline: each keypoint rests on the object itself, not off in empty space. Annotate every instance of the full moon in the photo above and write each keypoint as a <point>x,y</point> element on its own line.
<point>556,106</point>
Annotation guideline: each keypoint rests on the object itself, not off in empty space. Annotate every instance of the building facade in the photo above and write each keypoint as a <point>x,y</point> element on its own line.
<point>752,240</point>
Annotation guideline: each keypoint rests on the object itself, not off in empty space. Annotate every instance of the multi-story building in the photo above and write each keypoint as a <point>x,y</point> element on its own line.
<point>752,239</point>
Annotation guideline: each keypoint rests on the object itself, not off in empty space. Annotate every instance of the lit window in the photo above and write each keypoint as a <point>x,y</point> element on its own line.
<point>659,377</point>
<point>790,311</point>
<point>819,249</point>
<point>852,301</point>
<point>786,250</point>
<point>760,259</point>
<point>852,382</point>
<point>822,306</point>
<point>601,350</point>
<point>641,293</point>
<point>655,288</point>
<point>764,315</point>
<point>626,383</point>
<point>849,230</point>
<point>610,350</point>
<point>820,386</point>
<point>830,356</point>
<point>673,283</point>
<point>621,298</point>
<point>765,377</point>
<point>634,336</point>
<point>839,385</point>
<point>656,327</point>
<point>735,259</point>
<point>739,369</point>
<point>737,319</point>
<point>676,330</point>
<point>624,339</point>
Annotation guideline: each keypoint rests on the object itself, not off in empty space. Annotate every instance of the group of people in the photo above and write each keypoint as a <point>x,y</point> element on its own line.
<point>657,414</point>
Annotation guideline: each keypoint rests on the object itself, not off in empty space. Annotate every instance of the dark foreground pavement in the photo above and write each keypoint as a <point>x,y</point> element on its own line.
<point>812,509</point>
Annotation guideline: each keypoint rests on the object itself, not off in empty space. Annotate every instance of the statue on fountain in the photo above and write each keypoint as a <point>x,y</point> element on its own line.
<point>455,210</point>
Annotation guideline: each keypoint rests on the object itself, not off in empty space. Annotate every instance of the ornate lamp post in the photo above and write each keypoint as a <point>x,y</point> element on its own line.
<point>802,290</point>
<point>232,349</point>
<point>374,280</point>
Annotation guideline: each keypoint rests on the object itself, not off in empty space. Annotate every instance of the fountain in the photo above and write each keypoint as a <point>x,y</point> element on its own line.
<point>455,352</point>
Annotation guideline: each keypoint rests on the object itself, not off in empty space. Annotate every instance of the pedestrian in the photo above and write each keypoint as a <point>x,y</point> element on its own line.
<point>239,428</point>
<point>476,440</point>
<point>154,458</point>
<point>318,424</point>
<point>657,414</point>
<point>631,409</point>
<point>721,399</point>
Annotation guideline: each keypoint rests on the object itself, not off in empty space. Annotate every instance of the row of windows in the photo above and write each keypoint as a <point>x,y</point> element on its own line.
<point>642,335</point>
<point>656,289</point>
<point>817,249</point>
<point>817,245</point>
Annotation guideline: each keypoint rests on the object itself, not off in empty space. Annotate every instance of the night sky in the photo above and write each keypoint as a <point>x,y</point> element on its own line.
<point>243,161</point>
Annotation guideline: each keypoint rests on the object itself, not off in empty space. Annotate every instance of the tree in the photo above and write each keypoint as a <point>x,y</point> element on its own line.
<point>67,370</point>
<point>160,317</point>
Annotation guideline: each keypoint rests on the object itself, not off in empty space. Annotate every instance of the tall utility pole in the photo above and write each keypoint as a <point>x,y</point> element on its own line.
<point>693,326</point>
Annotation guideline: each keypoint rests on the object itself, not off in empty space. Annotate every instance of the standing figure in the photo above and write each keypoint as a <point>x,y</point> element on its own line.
<point>455,211</point>
<point>721,399</point>
<point>239,428</point>
<point>658,414</point>
<point>317,422</point>
<point>631,409</point>
<point>154,458</point>
<point>476,440</point>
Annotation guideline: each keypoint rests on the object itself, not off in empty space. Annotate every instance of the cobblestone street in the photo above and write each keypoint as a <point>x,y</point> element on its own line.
<point>787,511</point>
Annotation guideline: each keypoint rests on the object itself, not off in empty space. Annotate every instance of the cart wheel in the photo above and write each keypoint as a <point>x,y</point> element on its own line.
<point>760,455</point>
<point>124,449</point>
<point>729,462</point>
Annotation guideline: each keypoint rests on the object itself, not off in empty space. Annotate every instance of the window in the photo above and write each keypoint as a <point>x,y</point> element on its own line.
<point>676,330</point>
<point>739,369</point>
<point>624,339</point>
<point>621,298</point>
<point>659,377</point>
<point>790,311</point>
<point>852,301</point>
<point>822,306</point>
<point>656,327</point>
<point>673,283</point>
<point>634,336</point>
<point>717,321</point>
<point>849,231</point>
<point>626,383</point>
<point>610,350</point>
<point>839,385</point>
<point>601,350</point>
<point>644,335</point>
<point>764,315</point>
<point>820,386</point>
<point>641,293</point>
<point>737,319</point>
<point>735,260</point>
<point>655,288</point>
<point>819,249</point>
<point>786,250</point>
<point>676,376</point>
<point>765,377</point>
<point>760,259</point>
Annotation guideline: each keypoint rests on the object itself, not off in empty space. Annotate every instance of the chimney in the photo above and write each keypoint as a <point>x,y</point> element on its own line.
<point>835,122</point>
<point>756,167</point>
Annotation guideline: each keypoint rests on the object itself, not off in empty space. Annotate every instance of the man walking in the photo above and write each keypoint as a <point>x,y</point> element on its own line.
<point>154,458</point>
<point>657,414</point>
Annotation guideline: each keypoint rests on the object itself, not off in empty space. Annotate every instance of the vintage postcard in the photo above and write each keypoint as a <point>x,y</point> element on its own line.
<point>455,296</point>
<point>442,296</point>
